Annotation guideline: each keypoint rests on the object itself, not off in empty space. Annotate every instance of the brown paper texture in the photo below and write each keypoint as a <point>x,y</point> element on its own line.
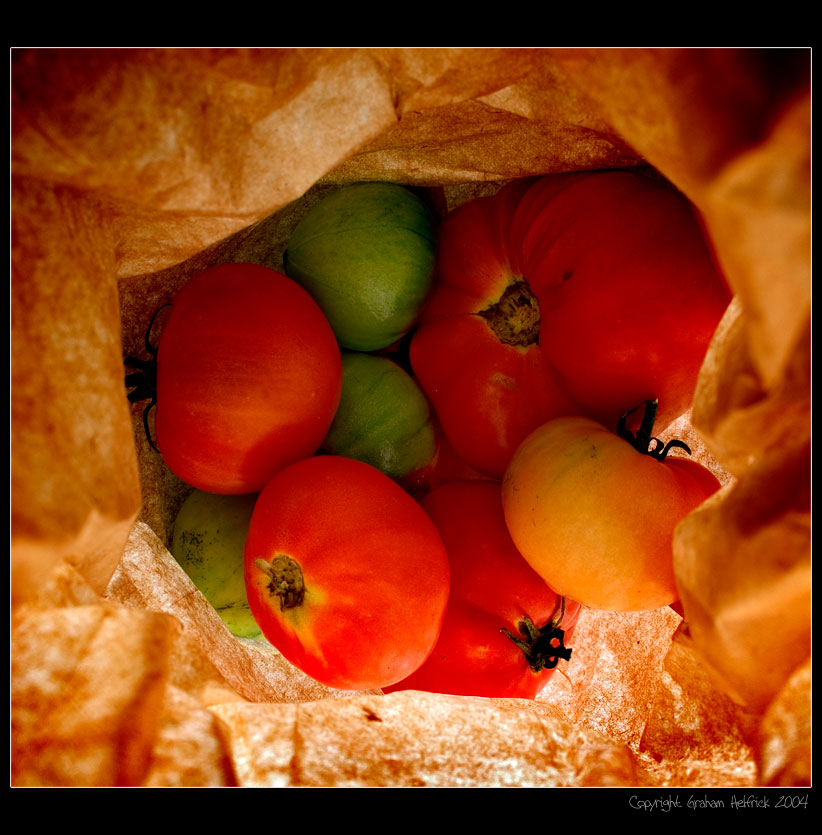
<point>134,169</point>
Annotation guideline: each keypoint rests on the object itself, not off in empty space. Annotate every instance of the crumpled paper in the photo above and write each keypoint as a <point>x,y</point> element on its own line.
<point>134,169</point>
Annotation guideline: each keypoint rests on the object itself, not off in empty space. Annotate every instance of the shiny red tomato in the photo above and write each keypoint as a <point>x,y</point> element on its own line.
<point>581,293</point>
<point>249,376</point>
<point>504,628</point>
<point>346,575</point>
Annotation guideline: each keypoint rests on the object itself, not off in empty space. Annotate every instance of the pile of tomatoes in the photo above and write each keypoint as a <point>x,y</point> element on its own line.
<point>448,426</point>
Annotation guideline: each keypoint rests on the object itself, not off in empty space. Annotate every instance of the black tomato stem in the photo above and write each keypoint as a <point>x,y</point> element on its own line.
<point>644,441</point>
<point>542,647</point>
<point>143,381</point>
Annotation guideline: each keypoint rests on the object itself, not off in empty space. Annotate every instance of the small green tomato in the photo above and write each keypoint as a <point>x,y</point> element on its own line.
<point>383,418</point>
<point>208,542</point>
<point>366,254</point>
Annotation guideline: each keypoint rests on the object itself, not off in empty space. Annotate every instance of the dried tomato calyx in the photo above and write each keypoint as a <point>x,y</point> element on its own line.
<point>143,381</point>
<point>514,319</point>
<point>285,580</point>
<point>643,441</point>
<point>542,647</point>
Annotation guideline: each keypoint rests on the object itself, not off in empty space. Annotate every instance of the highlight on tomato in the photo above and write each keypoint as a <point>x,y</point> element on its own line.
<point>573,294</point>
<point>346,574</point>
<point>505,629</point>
<point>247,378</point>
<point>594,511</point>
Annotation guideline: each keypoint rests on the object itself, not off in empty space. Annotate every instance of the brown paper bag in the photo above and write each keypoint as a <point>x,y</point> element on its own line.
<point>134,169</point>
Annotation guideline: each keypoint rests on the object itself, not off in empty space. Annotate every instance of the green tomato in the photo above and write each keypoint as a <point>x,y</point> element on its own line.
<point>208,542</point>
<point>383,418</point>
<point>366,254</point>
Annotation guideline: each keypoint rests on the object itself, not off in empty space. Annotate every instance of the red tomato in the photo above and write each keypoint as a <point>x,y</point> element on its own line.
<point>594,515</point>
<point>580,293</point>
<point>445,467</point>
<point>493,589</point>
<point>346,575</point>
<point>249,376</point>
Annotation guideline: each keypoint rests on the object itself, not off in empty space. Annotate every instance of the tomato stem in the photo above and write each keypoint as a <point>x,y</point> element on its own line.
<point>644,441</point>
<point>542,647</point>
<point>514,319</point>
<point>285,580</point>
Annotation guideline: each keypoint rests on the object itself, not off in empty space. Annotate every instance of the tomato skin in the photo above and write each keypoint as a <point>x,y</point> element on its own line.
<point>662,299</point>
<point>249,376</point>
<point>447,466</point>
<point>492,587</point>
<point>383,419</point>
<point>595,518</point>
<point>374,567</point>
<point>486,403</point>
<point>627,293</point>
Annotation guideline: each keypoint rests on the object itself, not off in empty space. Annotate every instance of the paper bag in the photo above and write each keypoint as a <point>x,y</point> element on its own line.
<point>134,169</point>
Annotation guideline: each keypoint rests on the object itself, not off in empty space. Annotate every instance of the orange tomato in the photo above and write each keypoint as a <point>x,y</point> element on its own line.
<point>595,517</point>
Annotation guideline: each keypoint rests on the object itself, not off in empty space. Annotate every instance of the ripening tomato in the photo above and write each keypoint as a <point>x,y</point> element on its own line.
<point>575,294</point>
<point>345,573</point>
<point>249,376</point>
<point>504,628</point>
<point>594,513</point>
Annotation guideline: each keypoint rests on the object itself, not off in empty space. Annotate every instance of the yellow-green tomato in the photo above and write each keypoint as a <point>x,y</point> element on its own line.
<point>366,254</point>
<point>383,418</point>
<point>208,541</point>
